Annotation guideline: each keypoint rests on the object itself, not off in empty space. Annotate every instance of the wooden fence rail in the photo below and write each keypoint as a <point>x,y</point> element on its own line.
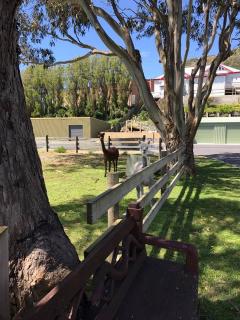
<point>75,141</point>
<point>157,206</point>
<point>99,205</point>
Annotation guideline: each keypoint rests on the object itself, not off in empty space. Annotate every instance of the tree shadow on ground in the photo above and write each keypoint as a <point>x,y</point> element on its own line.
<point>206,213</point>
<point>73,216</point>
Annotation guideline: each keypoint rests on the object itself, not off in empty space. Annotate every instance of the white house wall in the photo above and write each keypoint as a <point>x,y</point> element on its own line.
<point>158,89</point>
<point>233,80</point>
<point>186,87</point>
<point>220,83</point>
<point>218,88</point>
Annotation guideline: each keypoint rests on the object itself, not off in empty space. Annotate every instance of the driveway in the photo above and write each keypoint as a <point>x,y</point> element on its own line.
<point>227,153</point>
<point>231,158</point>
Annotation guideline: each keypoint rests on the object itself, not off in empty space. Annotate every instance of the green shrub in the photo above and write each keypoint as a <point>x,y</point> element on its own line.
<point>221,108</point>
<point>114,122</point>
<point>60,150</point>
<point>143,116</point>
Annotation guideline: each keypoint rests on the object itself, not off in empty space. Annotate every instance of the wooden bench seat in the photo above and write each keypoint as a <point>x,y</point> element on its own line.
<point>117,280</point>
<point>162,290</point>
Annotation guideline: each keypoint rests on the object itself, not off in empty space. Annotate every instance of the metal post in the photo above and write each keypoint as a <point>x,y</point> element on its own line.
<point>113,213</point>
<point>77,144</point>
<point>4,274</point>
<point>47,143</point>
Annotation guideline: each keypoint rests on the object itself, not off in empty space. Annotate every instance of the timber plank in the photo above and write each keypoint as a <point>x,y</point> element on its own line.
<point>100,204</point>
<point>161,291</point>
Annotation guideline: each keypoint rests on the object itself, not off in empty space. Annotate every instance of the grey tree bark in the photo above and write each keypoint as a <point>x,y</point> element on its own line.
<point>40,252</point>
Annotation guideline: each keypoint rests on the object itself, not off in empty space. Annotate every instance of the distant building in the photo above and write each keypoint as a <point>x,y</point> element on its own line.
<point>83,127</point>
<point>227,82</point>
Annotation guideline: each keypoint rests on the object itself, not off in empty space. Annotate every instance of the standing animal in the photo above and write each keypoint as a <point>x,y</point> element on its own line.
<point>110,155</point>
<point>139,165</point>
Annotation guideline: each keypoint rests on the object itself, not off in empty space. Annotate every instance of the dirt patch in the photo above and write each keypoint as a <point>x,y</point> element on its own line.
<point>70,158</point>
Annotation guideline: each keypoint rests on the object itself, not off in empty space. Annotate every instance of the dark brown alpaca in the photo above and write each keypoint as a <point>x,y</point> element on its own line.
<point>110,155</point>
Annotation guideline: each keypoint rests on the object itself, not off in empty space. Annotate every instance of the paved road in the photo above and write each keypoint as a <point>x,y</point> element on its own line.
<point>210,149</point>
<point>227,153</point>
<point>231,158</point>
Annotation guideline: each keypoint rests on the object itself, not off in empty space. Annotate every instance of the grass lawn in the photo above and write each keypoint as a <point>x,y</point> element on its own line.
<point>204,210</point>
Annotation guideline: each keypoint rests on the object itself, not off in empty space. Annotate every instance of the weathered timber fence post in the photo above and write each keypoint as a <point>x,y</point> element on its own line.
<point>109,142</point>
<point>113,213</point>
<point>4,274</point>
<point>77,144</point>
<point>47,143</point>
<point>161,155</point>
<point>160,148</point>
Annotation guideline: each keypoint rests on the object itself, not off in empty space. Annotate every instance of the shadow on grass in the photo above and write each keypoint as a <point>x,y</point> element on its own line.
<point>73,216</point>
<point>206,212</point>
<point>178,220</point>
<point>212,310</point>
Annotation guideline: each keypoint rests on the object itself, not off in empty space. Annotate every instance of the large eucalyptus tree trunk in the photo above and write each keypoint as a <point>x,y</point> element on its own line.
<point>40,252</point>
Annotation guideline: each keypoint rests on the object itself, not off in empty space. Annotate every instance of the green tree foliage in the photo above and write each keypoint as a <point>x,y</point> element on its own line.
<point>96,87</point>
<point>44,91</point>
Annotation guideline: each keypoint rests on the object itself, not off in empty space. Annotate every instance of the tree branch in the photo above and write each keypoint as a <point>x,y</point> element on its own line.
<point>188,33</point>
<point>88,54</point>
<point>204,57</point>
<point>103,14</point>
<point>71,40</point>
<point>117,13</point>
<point>133,64</point>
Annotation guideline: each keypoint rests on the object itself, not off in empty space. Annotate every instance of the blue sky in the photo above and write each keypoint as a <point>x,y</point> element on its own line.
<point>146,46</point>
<point>150,60</point>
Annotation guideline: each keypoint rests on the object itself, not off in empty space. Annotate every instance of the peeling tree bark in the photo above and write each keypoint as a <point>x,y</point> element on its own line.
<point>40,252</point>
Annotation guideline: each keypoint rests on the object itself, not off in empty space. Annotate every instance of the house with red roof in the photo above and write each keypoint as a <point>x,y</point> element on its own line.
<point>227,82</point>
